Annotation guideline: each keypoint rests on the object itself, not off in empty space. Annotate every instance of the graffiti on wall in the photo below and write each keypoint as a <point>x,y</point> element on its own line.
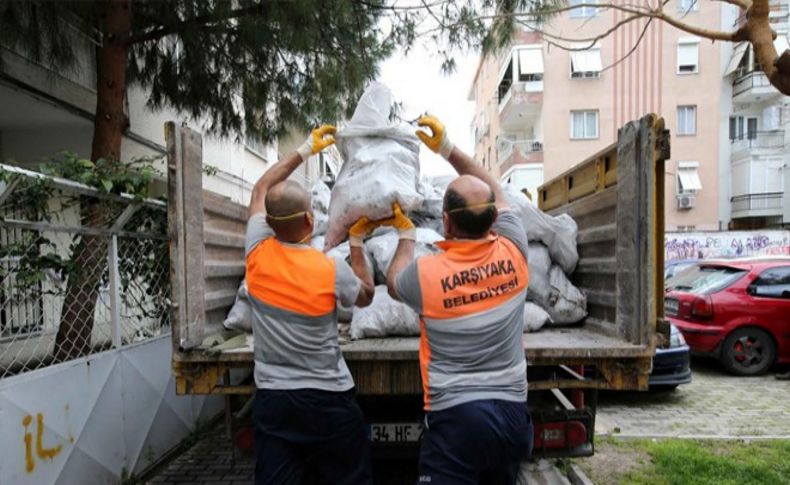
<point>728,244</point>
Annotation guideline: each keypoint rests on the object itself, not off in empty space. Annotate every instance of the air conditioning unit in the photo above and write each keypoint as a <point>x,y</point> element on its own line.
<point>686,201</point>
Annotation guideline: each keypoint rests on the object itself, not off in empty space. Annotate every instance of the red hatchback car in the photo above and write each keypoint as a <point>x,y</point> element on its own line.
<point>735,310</point>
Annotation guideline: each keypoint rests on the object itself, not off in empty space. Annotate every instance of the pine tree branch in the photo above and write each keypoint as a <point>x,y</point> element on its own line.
<point>158,33</point>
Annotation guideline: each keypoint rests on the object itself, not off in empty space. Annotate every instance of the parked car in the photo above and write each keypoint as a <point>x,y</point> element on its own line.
<point>671,364</point>
<point>735,310</point>
<point>671,268</point>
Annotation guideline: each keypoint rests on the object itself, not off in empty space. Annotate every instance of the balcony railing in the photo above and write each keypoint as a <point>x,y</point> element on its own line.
<point>746,80</point>
<point>774,139</point>
<point>778,13</point>
<point>506,146</point>
<point>754,202</point>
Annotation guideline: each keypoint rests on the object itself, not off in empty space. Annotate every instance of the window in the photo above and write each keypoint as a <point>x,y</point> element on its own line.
<point>688,6</point>
<point>687,120</point>
<point>530,64</point>
<point>772,283</point>
<point>586,63</point>
<point>505,82</point>
<point>743,128</point>
<point>584,11</point>
<point>688,181</point>
<point>584,125</point>
<point>688,56</point>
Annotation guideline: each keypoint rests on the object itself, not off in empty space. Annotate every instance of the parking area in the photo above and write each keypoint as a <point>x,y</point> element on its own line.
<point>714,405</point>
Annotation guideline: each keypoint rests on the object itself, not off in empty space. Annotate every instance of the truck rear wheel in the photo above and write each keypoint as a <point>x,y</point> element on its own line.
<point>748,352</point>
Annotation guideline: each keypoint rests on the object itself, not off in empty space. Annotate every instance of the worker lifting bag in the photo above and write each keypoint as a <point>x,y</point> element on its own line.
<point>381,165</point>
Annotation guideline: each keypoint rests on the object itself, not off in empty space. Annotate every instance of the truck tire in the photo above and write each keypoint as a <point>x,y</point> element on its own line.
<point>748,351</point>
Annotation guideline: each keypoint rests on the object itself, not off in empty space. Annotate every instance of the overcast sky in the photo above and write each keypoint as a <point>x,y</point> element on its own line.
<point>416,81</point>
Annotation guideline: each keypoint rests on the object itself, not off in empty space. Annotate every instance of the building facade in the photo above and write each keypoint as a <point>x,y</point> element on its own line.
<point>540,109</point>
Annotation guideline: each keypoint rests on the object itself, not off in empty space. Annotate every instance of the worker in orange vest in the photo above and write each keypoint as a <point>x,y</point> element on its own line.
<point>470,299</point>
<point>306,417</point>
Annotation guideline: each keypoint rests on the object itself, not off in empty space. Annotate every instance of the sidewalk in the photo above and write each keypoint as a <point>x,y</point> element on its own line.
<point>208,462</point>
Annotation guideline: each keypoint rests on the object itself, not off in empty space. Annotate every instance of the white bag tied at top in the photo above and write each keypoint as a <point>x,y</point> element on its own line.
<point>557,233</point>
<point>381,165</point>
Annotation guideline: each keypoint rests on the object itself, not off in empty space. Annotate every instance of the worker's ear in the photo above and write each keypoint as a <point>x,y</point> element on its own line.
<point>308,218</point>
<point>448,226</point>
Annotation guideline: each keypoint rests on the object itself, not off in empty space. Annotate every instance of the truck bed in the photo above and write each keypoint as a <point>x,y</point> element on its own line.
<point>615,196</point>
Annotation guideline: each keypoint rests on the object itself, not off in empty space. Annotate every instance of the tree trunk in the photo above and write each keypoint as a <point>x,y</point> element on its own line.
<point>90,253</point>
<point>775,65</point>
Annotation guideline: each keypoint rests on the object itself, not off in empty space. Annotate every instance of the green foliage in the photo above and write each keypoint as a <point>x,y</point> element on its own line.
<point>111,177</point>
<point>142,261</point>
<point>260,67</point>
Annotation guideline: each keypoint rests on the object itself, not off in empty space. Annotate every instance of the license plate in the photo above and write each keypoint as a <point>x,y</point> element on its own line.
<point>671,307</point>
<point>395,432</point>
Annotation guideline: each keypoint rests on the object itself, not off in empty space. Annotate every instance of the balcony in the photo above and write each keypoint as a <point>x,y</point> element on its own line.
<point>777,14</point>
<point>520,104</point>
<point>757,143</point>
<point>752,86</point>
<point>757,205</point>
<point>518,152</point>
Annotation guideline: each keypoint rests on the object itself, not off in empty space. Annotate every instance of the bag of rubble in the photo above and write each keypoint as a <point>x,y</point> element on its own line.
<point>240,314</point>
<point>567,304</point>
<point>429,214</point>
<point>557,233</point>
<point>535,317</point>
<point>319,201</point>
<point>539,264</point>
<point>381,249</point>
<point>381,165</point>
<point>384,317</point>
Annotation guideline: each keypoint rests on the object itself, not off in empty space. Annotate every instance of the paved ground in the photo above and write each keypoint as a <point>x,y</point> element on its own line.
<point>714,405</point>
<point>208,462</point>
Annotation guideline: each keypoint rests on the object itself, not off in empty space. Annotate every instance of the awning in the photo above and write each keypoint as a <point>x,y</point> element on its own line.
<point>530,61</point>
<point>586,61</point>
<point>689,179</point>
<point>737,56</point>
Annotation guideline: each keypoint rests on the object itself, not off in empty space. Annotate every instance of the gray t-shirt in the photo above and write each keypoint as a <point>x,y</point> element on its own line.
<point>294,321</point>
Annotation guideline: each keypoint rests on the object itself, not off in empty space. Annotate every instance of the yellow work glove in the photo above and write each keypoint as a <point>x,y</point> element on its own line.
<point>319,139</point>
<point>360,230</point>
<point>401,222</point>
<point>437,140</point>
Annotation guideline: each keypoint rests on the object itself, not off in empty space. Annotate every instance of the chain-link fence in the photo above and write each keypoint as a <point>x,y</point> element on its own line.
<point>81,271</point>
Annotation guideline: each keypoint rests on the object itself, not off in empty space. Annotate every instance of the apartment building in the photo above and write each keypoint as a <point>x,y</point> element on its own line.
<point>541,108</point>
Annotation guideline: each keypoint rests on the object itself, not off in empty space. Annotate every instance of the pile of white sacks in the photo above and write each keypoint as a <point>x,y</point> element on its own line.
<point>381,166</point>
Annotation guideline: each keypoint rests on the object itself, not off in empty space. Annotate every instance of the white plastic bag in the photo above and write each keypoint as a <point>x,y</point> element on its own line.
<point>539,265</point>
<point>381,249</point>
<point>557,233</point>
<point>535,317</point>
<point>384,317</point>
<point>320,195</point>
<point>240,314</point>
<point>381,165</point>
<point>567,304</point>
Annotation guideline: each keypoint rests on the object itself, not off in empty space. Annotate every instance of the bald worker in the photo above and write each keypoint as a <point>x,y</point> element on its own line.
<point>470,299</point>
<point>305,413</point>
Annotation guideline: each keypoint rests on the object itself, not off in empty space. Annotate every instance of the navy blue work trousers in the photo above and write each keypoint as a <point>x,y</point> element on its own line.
<point>479,442</point>
<point>309,436</point>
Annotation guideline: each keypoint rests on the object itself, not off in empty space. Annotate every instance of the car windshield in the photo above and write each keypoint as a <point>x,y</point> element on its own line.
<point>704,279</point>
